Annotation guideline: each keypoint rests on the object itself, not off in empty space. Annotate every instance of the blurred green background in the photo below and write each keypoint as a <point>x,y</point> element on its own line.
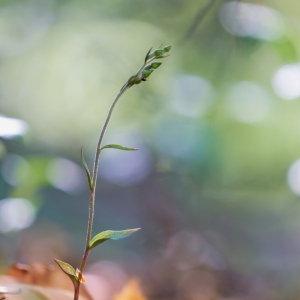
<point>215,184</point>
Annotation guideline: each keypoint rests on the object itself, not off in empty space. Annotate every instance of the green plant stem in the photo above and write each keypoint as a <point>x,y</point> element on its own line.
<point>84,260</point>
<point>76,291</point>
<point>94,181</point>
<point>96,165</point>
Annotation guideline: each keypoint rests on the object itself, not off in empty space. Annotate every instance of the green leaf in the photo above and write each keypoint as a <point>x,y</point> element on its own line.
<point>115,146</point>
<point>146,58</point>
<point>88,174</point>
<point>67,269</point>
<point>110,235</point>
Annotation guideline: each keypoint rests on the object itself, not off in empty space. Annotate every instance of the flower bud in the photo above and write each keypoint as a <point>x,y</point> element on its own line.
<point>159,52</point>
<point>146,73</point>
<point>152,66</point>
<point>168,48</point>
<point>148,67</point>
<point>150,55</point>
<point>132,80</point>
<point>155,65</point>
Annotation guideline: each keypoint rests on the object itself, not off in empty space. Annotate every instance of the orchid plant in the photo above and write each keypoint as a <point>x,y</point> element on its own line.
<point>149,65</point>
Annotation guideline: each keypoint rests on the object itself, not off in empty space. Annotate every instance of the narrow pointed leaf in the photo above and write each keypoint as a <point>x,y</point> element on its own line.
<point>67,269</point>
<point>115,146</point>
<point>110,235</point>
<point>88,174</point>
<point>146,58</point>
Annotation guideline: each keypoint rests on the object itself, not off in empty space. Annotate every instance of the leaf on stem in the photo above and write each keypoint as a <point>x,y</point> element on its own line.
<point>67,269</point>
<point>146,58</point>
<point>115,146</point>
<point>110,235</point>
<point>88,174</point>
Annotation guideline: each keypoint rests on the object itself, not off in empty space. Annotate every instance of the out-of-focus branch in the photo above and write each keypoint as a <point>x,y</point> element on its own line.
<point>203,11</point>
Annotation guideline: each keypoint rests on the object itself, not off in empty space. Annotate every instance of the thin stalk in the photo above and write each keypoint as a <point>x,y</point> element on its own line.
<point>94,181</point>
<point>76,290</point>
<point>96,163</point>
<point>97,155</point>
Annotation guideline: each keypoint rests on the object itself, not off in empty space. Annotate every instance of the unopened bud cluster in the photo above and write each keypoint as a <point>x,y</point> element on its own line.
<point>149,66</point>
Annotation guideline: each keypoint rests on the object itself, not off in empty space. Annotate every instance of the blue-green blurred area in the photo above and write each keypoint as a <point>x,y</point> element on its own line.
<point>215,184</point>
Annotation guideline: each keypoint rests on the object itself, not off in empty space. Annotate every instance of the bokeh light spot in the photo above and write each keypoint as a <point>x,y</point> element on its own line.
<point>251,20</point>
<point>10,127</point>
<point>293,177</point>
<point>191,96</point>
<point>104,278</point>
<point>15,214</point>
<point>187,250</point>
<point>248,102</point>
<point>14,169</point>
<point>66,175</point>
<point>177,138</point>
<point>286,82</point>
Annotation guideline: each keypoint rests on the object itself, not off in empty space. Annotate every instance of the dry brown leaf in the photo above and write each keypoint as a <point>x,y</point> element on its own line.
<point>33,292</point>
<point>131,291</point>
<point>48,281</point>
